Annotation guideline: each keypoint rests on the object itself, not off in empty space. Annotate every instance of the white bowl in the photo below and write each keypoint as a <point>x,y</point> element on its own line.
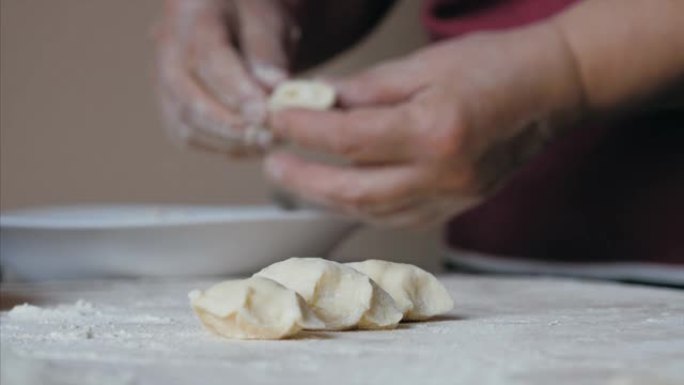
<point>141,240</point>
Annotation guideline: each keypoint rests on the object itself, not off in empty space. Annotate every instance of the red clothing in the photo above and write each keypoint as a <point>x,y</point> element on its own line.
<point>450,18</point>
<point>606,192</point>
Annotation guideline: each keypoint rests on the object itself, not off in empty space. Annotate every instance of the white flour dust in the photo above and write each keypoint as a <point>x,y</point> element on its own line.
<point>76,321</point>
<point>502,331</point>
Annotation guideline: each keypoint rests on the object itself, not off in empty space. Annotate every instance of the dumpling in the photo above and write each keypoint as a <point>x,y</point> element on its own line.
<point>340,296</point>
<point>417,293</point>
<point>254,308</point>
<point>302,94</point>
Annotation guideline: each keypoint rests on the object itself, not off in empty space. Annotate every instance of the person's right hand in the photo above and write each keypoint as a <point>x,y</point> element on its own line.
<point>430,135</point>
<point>213,94</point>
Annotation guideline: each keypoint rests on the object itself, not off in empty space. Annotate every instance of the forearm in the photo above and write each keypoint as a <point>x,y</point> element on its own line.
<point>331,26</point>
<point>625,51</point>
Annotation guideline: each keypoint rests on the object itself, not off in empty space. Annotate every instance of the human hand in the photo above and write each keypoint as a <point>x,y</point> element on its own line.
<point>431,135</point>
<point>213,94</point>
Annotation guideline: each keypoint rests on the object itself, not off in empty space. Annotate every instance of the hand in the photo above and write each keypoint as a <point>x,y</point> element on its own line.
<point>213,95</point>
<point>431,135</point>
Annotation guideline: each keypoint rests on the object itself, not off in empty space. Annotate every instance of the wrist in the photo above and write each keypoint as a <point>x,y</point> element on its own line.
<point>545,97</point>
<point>560,97</point>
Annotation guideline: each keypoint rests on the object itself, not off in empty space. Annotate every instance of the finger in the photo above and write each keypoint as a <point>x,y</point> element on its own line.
<point>210,144</point>
<point>194,131</point>
<point>202,113</point>
<point>415,217</point>
<point>180,17</point>
<point>246,138</point>
<point>377,135</point>
<point>184,99</point>
<point>222,72</point>
<point>422,214</point>
<point>233,151</point>
<point>387,83</point>
<point>376,212</point>
<point>384,209</point>
<point>193,116</point>
<point>186,135</point>
<point>183,132</point>
<point>262,36</point>
<point>351,189</point>
<point>177,129</point>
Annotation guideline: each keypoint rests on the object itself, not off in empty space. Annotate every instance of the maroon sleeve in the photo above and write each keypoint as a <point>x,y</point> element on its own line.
<point>607,192</point>
<point>450,18</point>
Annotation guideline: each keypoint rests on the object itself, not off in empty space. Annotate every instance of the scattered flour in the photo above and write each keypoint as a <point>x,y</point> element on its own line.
<point>503,331</point>
<point>80,321</point>
<point>26,312</point>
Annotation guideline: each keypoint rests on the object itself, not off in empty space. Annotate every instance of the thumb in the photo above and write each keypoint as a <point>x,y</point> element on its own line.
<point>387,83</point>
<point>262,36</point>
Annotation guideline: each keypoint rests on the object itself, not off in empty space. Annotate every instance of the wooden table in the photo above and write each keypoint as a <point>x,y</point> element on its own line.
<point>502,331</point>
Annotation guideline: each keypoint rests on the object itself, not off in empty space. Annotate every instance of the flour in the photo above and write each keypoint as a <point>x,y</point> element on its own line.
<point>502,331</point>
<point>80,310</point>
<point>65,324</point>
<point>73,322</point>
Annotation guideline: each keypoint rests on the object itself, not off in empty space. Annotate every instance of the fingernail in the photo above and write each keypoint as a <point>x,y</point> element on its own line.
<point>268,74</point>
<point>274,168</point>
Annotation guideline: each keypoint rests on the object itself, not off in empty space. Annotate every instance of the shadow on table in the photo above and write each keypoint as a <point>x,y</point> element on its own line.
<point>313,335</point>
<point>440,318</point>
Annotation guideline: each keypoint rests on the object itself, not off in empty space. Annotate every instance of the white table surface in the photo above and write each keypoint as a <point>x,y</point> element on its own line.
<point>502,331</point>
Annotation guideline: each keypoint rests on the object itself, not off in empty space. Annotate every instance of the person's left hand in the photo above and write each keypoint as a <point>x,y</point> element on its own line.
<point>430,135</point>
<point>217,61</point>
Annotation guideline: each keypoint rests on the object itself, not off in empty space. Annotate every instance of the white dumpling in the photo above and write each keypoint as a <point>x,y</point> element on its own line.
<point>340,296</point>
<point>302,94</point>
<point>254,308</point>
<point>418,294</point>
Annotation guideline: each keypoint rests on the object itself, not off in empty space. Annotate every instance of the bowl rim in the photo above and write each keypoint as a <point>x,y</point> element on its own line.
<point>75,217</point>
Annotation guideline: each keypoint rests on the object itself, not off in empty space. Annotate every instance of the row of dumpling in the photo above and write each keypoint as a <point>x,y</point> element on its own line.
<point>317,294</point>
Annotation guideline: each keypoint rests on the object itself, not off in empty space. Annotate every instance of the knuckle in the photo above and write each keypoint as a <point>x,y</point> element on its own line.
<point>353,196</point>
<point>347,140</point>
<point>463,182</point>
<point>445,137</point>
<point>443,144</point>
<point>345,145</point>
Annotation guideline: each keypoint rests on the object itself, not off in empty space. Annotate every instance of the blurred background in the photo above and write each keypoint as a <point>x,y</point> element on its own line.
<point>79,121</point>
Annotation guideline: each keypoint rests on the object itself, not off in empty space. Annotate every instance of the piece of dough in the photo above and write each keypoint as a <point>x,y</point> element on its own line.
<point>302,94</point>
<point>340,296</point>
<point>254,308</point>
<point>417,293</point>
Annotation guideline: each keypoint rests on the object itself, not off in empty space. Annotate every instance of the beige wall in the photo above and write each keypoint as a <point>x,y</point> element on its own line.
<point>78,113</point>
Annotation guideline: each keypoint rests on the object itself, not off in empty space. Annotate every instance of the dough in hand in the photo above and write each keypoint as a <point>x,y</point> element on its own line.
<point>302,94</point>
<point>254,308</point>
<point>340,296</point>
<point>417,293</point>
